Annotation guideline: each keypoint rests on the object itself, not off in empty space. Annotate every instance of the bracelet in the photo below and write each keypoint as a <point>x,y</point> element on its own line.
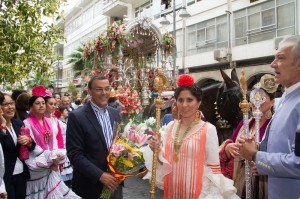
<point>254,156</point>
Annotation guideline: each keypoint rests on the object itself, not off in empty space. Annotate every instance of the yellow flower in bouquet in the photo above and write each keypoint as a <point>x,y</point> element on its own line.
<point>124,157</point>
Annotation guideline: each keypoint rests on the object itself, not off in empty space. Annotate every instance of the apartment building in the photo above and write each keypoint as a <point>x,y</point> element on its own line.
<point>219,33</point>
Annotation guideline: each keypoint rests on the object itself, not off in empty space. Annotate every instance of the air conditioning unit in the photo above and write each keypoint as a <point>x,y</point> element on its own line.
<point>277,40</point>
<point>220,54</point>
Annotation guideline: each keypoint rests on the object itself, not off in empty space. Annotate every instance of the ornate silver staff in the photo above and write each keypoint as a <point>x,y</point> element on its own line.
<point>257,97</point>
<point>244,105</point>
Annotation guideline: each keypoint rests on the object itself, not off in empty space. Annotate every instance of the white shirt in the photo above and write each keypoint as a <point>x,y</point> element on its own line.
<point>2,168</point>
<point>19,165</point>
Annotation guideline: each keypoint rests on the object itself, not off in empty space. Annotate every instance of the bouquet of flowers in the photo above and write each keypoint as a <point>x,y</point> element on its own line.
<point>88,52</point>
<point>168,42</point>
<point>130,100</point>
<point>116,34</point>
<point>125,157</point>
<point>101,42</point>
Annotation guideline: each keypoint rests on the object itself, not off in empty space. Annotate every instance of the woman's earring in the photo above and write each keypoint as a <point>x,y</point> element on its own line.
<point>268,114</point>
<point>198,114</point>
<point>178,116</point>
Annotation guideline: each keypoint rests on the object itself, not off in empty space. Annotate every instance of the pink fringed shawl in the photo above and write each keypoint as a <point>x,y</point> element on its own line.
<point>185,180</point>
<point>39,132</point>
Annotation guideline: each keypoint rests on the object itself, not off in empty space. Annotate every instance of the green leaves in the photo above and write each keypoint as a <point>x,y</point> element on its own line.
<point>26,41</point>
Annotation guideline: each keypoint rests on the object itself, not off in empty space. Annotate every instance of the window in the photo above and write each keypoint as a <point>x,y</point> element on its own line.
<point>264,21</point>
<point>207,35</point>
<point>143,8</point>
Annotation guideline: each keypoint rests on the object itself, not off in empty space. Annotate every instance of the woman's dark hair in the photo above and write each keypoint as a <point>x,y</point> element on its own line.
<point>22,102</point>
<point>47,98</point>
<point>15,94</point>
<point>195,91</point>
<point>271,95</point>
<point>32,100</point>
<point>62,108</point>
<point>1,97</point>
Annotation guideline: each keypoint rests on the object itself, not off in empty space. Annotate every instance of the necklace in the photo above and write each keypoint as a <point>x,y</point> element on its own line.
<point>177,142</point>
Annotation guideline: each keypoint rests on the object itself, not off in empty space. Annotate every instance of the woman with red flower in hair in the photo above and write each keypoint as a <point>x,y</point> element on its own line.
<point>45,159</point>
<point>188,166</point>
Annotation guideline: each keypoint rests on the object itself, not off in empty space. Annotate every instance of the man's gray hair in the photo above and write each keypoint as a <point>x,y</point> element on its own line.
<point>295,41</point>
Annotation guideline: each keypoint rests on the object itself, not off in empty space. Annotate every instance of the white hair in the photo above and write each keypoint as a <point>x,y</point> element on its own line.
<point>295,41</point>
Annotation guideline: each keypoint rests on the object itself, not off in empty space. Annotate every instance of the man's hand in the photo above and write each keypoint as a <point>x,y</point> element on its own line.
<point>3,195</point>
<point>247,147</point>
<point>109,181</point>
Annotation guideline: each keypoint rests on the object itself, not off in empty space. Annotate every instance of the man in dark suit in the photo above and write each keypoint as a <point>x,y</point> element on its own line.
<point>89,136</point>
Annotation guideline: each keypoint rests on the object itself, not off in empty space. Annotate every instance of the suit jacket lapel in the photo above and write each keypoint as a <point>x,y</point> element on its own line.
<point>16,127</point>
<point>91,116</point>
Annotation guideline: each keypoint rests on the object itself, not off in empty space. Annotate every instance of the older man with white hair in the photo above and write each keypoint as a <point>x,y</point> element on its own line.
<point>277,158</point>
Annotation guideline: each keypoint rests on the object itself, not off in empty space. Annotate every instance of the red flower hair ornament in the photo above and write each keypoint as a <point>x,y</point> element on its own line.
<point>41,91</point>
<point>57,113</point>
<point>185,81</point>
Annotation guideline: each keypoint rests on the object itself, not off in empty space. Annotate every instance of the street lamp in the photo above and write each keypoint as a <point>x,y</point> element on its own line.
<point>184,14</point>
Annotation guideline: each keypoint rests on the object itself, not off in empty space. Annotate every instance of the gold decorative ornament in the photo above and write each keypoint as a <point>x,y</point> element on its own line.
<point>268,114</point>
<point>178,142</point>
<point>160,83</point>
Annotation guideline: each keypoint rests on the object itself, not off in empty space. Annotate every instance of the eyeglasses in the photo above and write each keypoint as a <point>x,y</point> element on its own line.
<point>8,103</point>
<point>100,89</point>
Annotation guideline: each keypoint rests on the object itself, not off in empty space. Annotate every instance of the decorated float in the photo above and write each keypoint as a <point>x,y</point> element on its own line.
<point>131,55</point>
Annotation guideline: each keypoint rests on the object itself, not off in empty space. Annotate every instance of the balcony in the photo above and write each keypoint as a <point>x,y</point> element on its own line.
<point>114,8</point>
<point>118,8</point>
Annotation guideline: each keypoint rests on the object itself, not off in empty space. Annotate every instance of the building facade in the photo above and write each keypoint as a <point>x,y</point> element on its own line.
<point>219,33</point>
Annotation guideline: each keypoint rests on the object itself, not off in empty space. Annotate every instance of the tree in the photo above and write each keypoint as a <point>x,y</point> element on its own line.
<point>72,89</point>
<point>40,79</point>
<point>26,43</point>
<point>80,65</point>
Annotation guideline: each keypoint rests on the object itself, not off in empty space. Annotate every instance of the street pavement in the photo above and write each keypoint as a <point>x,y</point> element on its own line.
<point>137,188</point>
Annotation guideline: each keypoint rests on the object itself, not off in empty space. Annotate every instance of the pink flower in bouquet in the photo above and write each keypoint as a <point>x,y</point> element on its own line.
<point>139,138</point>
<point>39,91</point>
<point>118,149</point>
<point>142,138</point>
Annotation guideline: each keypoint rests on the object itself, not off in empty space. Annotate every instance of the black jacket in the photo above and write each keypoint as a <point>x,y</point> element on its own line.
<point>11,151</point>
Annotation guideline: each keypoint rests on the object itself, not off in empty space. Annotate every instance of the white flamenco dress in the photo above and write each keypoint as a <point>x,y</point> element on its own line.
<point>43,183</point>
<point>196,174</point>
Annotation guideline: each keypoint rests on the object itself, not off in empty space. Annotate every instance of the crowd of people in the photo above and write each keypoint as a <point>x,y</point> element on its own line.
<point>52,148</point>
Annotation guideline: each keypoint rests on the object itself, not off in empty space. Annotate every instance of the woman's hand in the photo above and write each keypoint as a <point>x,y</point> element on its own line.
<point>155,143</point>
<point>3,195</point>
<point>2,120</point>
<point>232,150</point>
<point>54,166</point>
<point>24,140</point>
